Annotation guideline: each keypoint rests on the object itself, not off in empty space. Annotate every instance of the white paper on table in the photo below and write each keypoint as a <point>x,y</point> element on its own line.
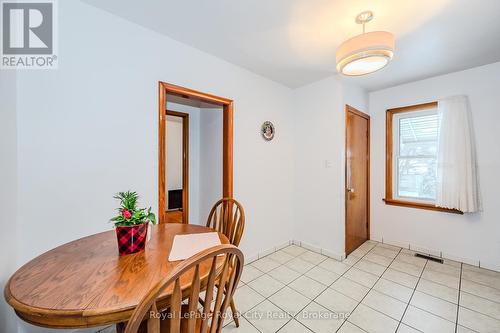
<point>185,246</point>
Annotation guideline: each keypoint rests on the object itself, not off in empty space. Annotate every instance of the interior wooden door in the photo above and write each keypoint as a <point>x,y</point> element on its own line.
<point>357,179</point>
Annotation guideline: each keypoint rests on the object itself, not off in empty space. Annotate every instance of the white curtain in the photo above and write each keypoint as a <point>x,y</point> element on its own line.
<point>457,179</point>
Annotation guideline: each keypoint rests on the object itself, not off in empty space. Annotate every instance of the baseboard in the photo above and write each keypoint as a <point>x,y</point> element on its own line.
<point>437,253</point>
<point>402,244</point>
<point>264,253</point>
<point>325,252</point>
<point>493,267</point>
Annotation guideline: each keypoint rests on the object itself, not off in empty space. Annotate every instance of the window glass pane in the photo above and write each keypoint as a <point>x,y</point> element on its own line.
<point>418,135</point>
<point>417,177</point>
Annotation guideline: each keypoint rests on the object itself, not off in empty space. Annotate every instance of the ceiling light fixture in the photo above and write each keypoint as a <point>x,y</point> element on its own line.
<point>365,53</point>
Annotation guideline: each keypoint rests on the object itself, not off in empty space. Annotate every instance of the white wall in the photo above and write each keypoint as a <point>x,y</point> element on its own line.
<point>174,153</point>
<point>89,129</point>
<point>471,237</point>
<point>74,155</point>
<point>319,163</point>
<point>210,160</point>
<point>8,191</point>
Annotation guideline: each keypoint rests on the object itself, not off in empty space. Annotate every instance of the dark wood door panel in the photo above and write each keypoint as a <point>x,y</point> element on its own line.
<point>357,179</point>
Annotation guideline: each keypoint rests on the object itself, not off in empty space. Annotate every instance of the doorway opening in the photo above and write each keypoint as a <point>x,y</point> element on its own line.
<point>195,153</point>
<point>177,192</point>
<point>357,179</point>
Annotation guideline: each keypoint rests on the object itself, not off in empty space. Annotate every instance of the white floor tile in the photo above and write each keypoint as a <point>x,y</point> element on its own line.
<point>372,321</point>
<point>319,319</point>
<point>361,277</point>
<point>322,275</point>
<point>434,305</point>
<point>404,279</point>
<point>347,327</point>
<point>483,276</point>
<point>359,252</point>
<point>246,298</point>
<point>336,302</point>
<point>245,327</point>
<point>370,267</point>
<point>250,273</point>
<point>299,265</point>
<point>350,288</point>
<point>294,326</point>
<point>334,266</point>
<point>265,264</point>
<point>307,287</point>
<point>461,329</point>
<point>484,271</point>
<point>280,256</point>
<point>481,290</point>
<point>427,322</point>
<point>403,328</point>
<point>267,317</point>
<point>438,290</point>
<point>284,274</point>
<point>441,278</point>
<point>310,293</point>
<point>378,259</point>
<point>289,300</point>
<point>477,321</point>
<point>481,305</point>
<point>385,304</point>
<point>294,250</point>
<point>312,257</point>
<point>442,268</point>
<point>385,252</point>
<point>406,268</point>
<point>411,259</point>
<point>265,285</point>
<point>351,259</point>
<point>394,289</point>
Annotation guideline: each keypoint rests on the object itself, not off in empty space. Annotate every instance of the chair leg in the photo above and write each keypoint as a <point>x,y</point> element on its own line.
<point>235,313</point>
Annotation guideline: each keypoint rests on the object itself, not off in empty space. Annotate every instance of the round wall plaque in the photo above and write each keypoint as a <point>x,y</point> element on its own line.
<point>267,130</point>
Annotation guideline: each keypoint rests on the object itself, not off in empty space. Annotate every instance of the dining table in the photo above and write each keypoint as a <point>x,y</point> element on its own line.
<point>85,283</point>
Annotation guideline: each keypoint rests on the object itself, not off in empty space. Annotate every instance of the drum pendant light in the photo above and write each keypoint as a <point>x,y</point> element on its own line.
<point>365,53</point>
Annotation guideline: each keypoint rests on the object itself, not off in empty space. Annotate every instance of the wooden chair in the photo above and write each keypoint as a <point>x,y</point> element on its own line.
<point>227,216</point>
<point>187,318</point>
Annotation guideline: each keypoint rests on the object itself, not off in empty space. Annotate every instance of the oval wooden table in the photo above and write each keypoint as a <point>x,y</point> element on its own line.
<point>85,283</point>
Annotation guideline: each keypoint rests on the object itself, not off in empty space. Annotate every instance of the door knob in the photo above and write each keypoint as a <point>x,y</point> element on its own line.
<point>350,190</point>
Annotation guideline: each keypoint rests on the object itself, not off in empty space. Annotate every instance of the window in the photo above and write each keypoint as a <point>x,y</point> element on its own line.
<point>411,156</point>
<point>415,139</point>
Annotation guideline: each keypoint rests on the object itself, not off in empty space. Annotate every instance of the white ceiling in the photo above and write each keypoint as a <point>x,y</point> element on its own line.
<point>294,41</point>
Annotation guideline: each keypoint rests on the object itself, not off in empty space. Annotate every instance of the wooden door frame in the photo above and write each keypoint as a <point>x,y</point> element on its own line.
<point>348,109</point>
<point>185,161</point>
<point>227,137</point>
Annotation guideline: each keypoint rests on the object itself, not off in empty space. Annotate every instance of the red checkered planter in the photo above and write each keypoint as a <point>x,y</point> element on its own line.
<point>131,239</point>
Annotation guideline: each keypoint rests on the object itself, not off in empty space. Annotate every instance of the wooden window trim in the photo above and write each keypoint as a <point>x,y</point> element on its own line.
<point>389,200</point>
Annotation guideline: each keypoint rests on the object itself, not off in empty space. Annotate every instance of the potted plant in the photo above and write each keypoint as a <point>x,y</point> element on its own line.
<point>131,223</point>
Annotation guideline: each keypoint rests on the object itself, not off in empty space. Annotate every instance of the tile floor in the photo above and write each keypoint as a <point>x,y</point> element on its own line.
<point>378,288</point>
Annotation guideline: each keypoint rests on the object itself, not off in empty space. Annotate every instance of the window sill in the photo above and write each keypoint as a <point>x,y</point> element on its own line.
<point>420,205</point>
